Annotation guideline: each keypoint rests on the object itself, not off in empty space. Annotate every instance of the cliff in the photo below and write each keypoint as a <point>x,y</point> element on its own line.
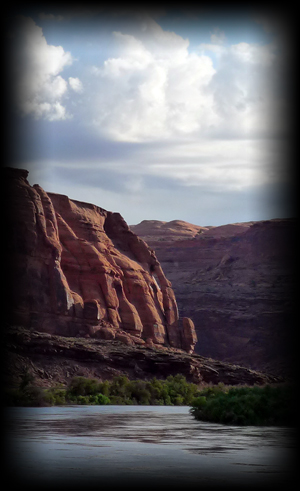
<point>76,269</point>
<point>237,282</point>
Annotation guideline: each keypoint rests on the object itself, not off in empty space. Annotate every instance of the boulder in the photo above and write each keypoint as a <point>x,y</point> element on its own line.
<point>106,333</point>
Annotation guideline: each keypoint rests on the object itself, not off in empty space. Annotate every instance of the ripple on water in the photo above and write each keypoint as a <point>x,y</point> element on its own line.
<point>130,442</point>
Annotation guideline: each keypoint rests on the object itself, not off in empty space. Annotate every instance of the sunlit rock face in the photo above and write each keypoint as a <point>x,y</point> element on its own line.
<point>78,270</point>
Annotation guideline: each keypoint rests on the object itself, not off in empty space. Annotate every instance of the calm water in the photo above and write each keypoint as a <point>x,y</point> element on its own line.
<point>130,445</point>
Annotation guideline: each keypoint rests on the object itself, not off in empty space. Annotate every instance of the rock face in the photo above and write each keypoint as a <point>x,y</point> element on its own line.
<point>77,269</point>
<point>236,282</point>
<point>53,359</point>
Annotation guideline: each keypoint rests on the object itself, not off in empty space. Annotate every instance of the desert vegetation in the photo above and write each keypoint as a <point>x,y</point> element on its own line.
<point>234,405</point>
<point>174,390</point>
<point>246,405</point>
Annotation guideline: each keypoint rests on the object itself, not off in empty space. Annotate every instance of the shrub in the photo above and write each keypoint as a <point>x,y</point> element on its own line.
<point>246,406</point>
<point>55,396</point>
<point>30,396</point>
<point>83,386</point>
<point>98,400</point>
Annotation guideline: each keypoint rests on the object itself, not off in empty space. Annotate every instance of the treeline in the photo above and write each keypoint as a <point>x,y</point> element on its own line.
<point>263,406</point>
<point>173,391</point>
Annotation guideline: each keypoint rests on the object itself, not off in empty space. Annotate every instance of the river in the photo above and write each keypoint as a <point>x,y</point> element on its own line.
<point>131,445</point>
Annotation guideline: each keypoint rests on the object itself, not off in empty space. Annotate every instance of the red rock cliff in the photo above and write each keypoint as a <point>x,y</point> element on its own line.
<point>78,269</point>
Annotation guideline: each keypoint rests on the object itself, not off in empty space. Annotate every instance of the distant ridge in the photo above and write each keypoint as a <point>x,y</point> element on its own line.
<point>236,281</point>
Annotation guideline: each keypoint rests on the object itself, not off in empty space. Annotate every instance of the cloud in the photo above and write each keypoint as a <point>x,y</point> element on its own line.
<point>160,198</point>
<point>76,84</point>
<point>159,129</point>
<point>226,166</point>
<point>50,111</point>
<point>36,66</point>
<point>153,88</point>
<point>245,91</point>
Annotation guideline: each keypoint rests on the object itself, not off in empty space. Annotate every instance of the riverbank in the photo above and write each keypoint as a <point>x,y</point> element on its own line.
<point>173,391</point>
<point>267,405</point>
<point>258,406</point>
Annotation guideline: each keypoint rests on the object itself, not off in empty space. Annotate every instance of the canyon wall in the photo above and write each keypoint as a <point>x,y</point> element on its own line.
<point>75,269</point>
<point>237,282</point>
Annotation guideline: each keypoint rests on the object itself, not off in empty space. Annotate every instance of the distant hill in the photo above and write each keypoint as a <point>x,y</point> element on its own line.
<point>174,230</point>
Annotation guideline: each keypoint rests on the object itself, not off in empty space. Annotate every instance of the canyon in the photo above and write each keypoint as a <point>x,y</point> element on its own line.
<point>237,281</point>
<point>88,295</point>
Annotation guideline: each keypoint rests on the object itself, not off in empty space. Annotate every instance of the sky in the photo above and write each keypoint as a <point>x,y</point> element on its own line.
<point>158,114</point>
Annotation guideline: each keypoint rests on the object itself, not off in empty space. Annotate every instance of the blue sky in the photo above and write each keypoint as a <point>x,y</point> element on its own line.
<point>162,114</point>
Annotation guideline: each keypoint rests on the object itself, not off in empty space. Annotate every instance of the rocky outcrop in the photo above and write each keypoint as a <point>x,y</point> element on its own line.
<point>77,269</point>
<point>53,359</point>
<point>237,283</point>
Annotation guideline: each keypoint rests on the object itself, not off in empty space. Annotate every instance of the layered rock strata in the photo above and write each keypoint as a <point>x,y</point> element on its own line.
<point>52,359</point>
<point>237,282</point>
<point>77,269</point>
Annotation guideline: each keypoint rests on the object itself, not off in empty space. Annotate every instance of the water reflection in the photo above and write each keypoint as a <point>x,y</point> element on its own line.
<point>153,443</point>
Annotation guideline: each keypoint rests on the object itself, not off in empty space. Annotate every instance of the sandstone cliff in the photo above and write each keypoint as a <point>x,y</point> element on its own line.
<point>237,283</point>
<point>76,269</point>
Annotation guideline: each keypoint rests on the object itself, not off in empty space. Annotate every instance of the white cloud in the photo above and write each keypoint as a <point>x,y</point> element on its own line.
<point>76,84</point>
<point>226,165</point>
<point>245,91</point>
<point>36,66</point>
<point>201,123</point>
<point>52,112</point>
<point>253,54</point>
<point>153,88</point>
